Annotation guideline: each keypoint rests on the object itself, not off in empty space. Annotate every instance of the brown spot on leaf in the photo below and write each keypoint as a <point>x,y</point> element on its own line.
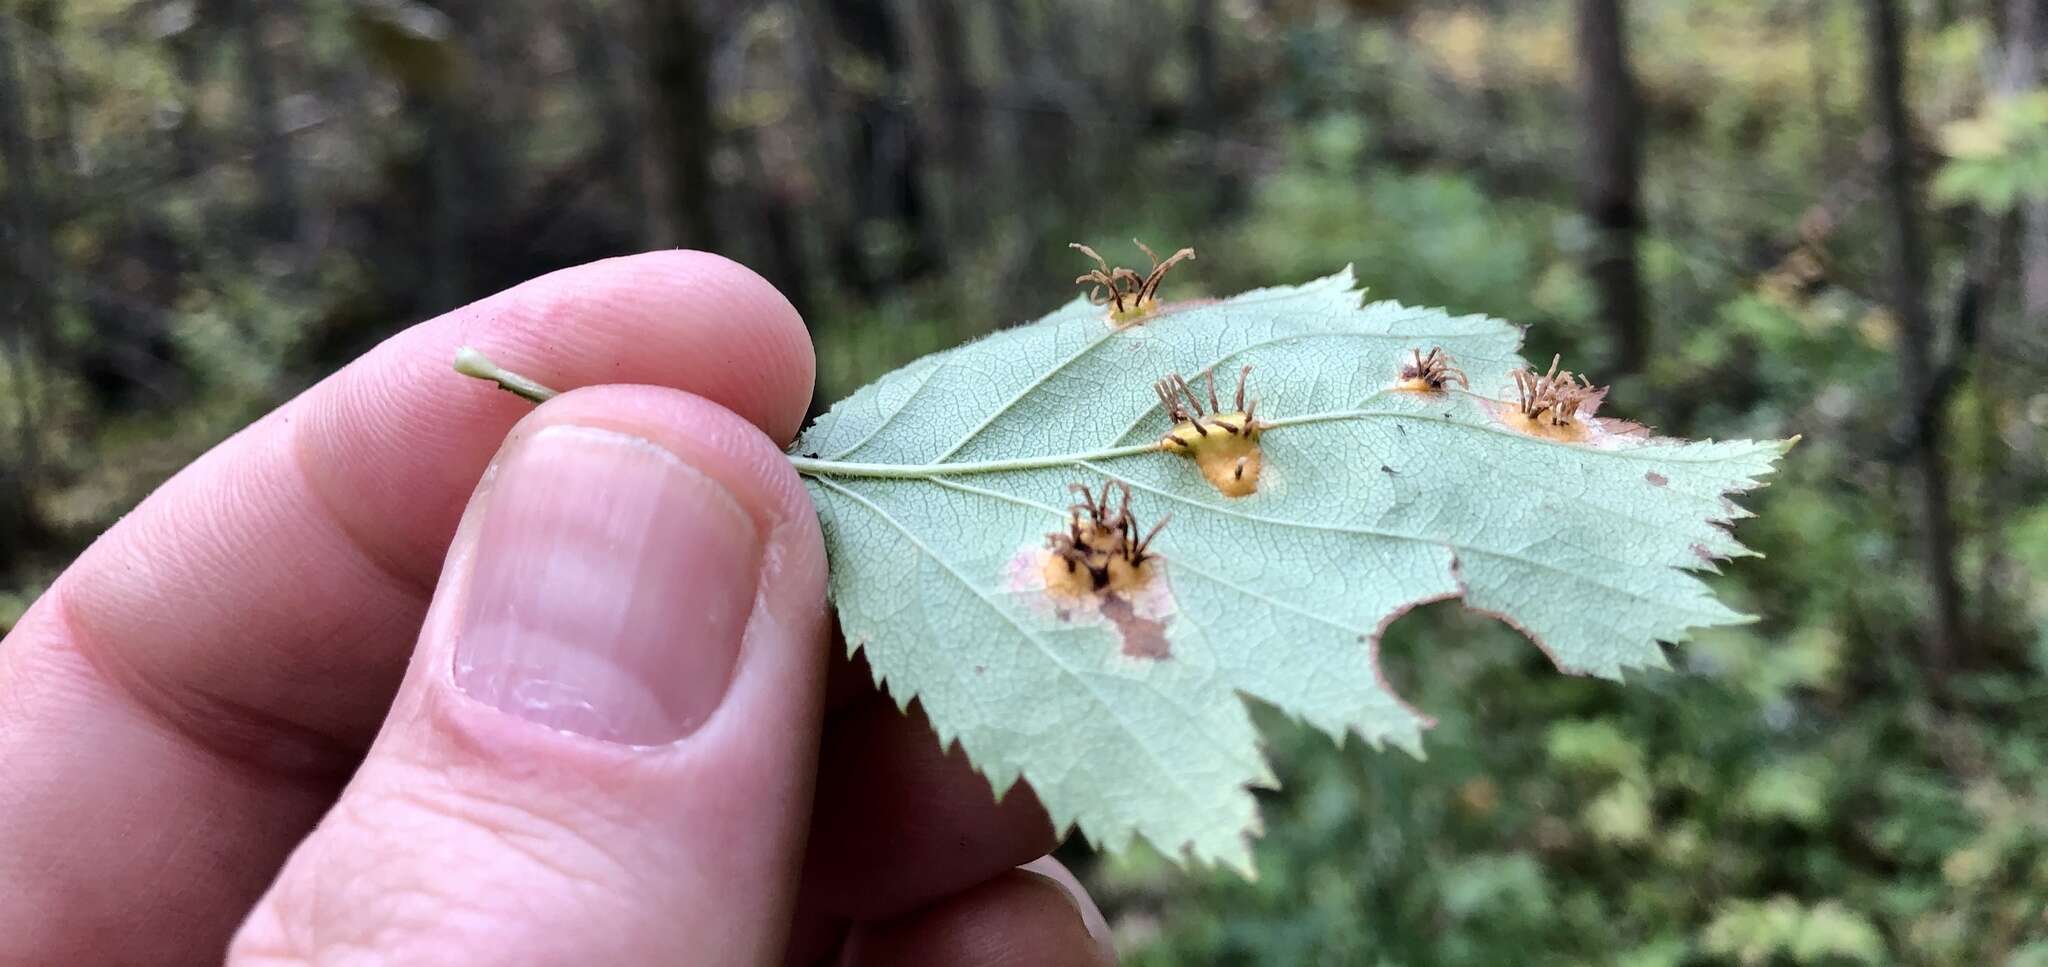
<point>1656,479</point>
<point>1701,551</point>
<point>1101,569</point>
<point>1142,637</point>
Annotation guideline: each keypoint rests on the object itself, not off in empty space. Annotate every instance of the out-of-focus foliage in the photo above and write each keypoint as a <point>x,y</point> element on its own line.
<point>1794,792</point>
<point>1999,158</point>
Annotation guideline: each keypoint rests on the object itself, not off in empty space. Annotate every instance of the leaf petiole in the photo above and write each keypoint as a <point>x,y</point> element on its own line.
<point>833,468</point>
<point>471,362</point>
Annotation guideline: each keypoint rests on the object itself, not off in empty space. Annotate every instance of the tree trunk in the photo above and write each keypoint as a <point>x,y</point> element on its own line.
<point>951,122</point>
<point>447,210</point>
<point>60,147</point>
<point>1207,91</point>
<point>1943,642</point>
<point>188,57</point>
<point>2011,254</point>
<point>601,64</point>
<point>2026,59</point>
<point>1610,192</point>
<point>680,121</point>
<point>885,150</point>
<point>1042,111</point>
<point>1226,192</point>
<point>277,211</point>
<point>778,245</point>
<point>1823,61</point>
<point>25,303</point>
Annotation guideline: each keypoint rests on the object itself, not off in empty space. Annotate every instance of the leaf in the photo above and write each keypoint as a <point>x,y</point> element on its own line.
<point>938,484</point>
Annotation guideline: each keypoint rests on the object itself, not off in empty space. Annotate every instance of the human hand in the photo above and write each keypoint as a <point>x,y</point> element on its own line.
<point>594,734</point>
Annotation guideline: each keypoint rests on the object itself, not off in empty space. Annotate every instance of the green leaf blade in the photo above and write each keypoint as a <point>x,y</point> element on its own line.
<point>938,483</point>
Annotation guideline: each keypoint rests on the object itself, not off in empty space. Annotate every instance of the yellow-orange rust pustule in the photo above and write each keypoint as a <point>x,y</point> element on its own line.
<point>1431,373</point>
<point>1130,296</point>
<point>1223,444</point>
<point>1557,405</point>
<point>1101,552</point>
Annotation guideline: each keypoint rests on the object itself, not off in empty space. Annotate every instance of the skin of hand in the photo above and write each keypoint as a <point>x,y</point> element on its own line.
<point>409,671</point>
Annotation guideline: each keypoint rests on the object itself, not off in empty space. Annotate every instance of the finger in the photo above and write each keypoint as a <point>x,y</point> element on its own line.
<point>903,820</point>
<point>900,821</point>
<point>1034,915</point>
<point>603,749</point>
<point>205,675</point>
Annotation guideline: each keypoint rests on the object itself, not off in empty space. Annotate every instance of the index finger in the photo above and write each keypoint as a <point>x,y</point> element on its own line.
<point>195,686</point>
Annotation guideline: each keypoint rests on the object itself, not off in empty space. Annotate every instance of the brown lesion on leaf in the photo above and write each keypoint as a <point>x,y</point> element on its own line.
<point>1430,373</point>
<point>1656,479</point>
<point>1130,297</point>
<point>1101,552</point>
<point>1142,637</point>
<point>1223,443</point>
<point>1557,405</point>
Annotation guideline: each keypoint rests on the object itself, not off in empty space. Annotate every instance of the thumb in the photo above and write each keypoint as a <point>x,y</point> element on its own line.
<point>603,749</point>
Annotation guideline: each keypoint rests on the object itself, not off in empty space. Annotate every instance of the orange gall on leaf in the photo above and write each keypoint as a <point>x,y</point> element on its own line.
<point>1130,297</point>
<point>1557,405</point>
<point>1223,444</point>
<point>1103,551</point>
<point>1429,374</point>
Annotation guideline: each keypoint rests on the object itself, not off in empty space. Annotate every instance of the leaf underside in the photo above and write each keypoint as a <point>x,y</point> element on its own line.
<point>937,484</point>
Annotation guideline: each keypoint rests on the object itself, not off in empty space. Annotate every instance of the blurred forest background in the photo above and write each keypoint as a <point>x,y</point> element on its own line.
<point>1757,217</point>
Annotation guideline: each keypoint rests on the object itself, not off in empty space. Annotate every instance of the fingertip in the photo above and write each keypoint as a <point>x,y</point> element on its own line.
<point>785,689</point>
<point>703,433</point>
<point>757,314</point>
<point>745,342</point>
<point>392,444</point>
<point>617,688</point>
<point>902,819</point>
